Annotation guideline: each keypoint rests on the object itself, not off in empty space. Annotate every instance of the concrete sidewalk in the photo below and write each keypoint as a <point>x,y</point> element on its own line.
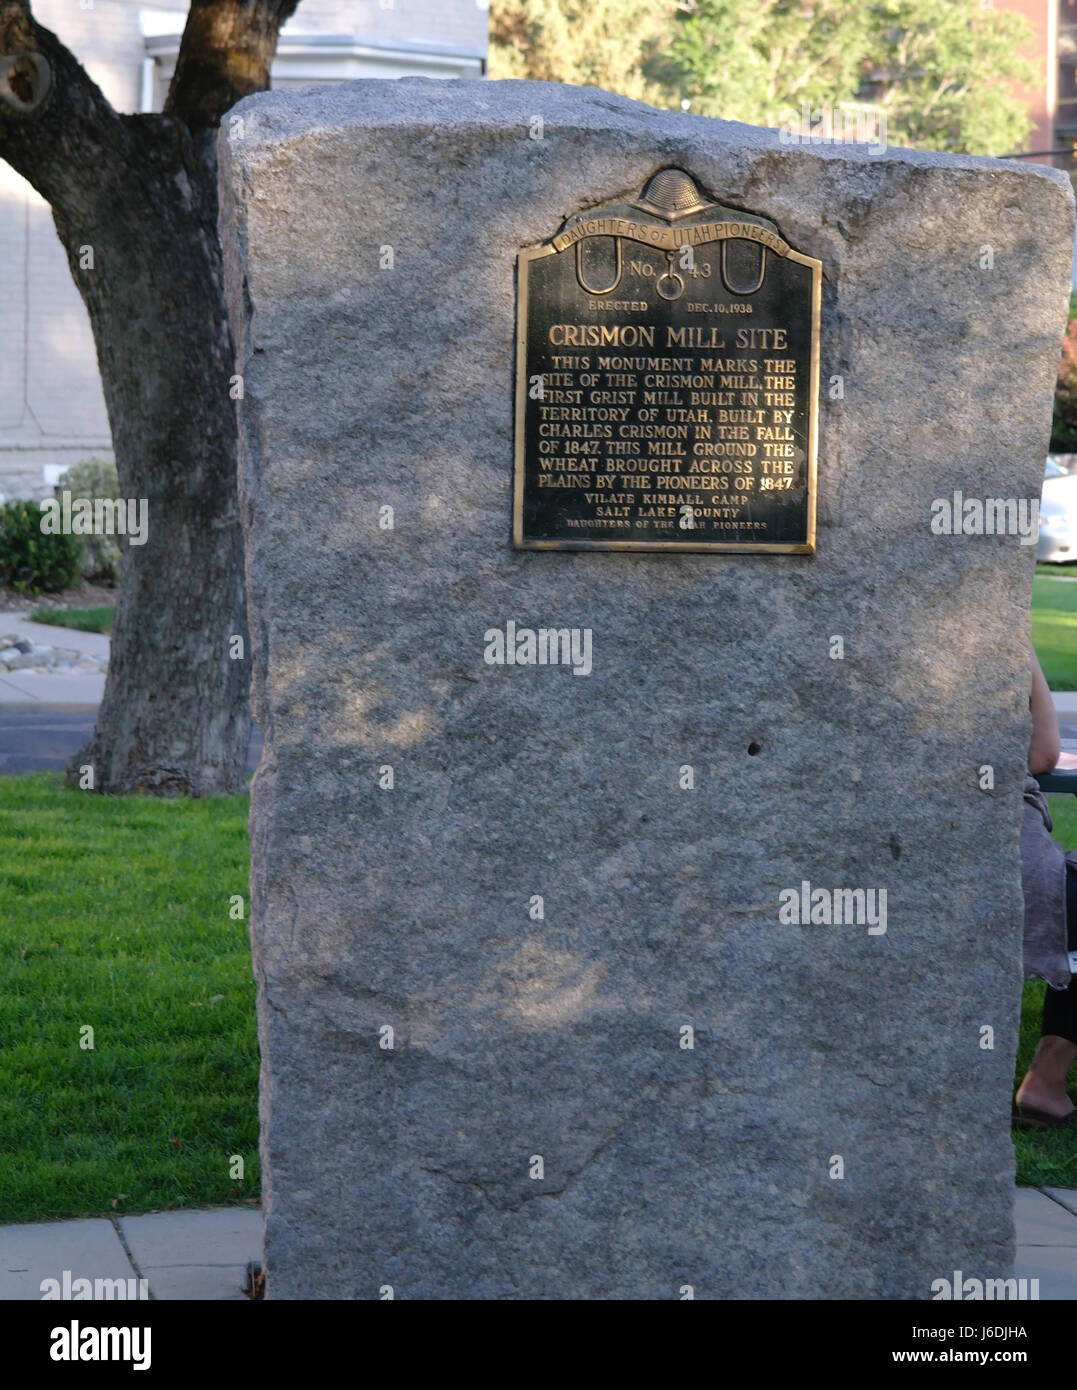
<point>181,1254</point>
<point>203,1255</point>
<point>51,687</point>
<point>1046,1219</point>
<point>50,634</point>
<point>69,689</point>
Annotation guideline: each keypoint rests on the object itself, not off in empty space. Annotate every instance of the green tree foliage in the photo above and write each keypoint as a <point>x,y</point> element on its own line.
<point>746,60</point>
<point>593,43</point>
<point>943,71</point>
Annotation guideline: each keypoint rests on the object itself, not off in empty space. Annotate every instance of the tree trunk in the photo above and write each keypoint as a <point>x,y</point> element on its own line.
<point>134,199</point>
<point>175,716</point>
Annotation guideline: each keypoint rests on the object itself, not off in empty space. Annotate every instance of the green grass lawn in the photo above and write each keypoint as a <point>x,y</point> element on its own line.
<point>1046,1159</point>
<point>1054,624</point>
<point>83,619</point>
<point>116,916</point>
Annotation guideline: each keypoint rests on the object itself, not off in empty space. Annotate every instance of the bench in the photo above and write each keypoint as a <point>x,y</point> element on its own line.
<point>1061,781</point>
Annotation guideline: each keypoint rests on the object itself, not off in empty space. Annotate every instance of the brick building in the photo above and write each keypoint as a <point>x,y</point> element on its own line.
<point>1052,100</point>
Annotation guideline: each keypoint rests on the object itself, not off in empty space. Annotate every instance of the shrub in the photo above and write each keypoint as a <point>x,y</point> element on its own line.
<point>29,559</point>
<point>94,478</point>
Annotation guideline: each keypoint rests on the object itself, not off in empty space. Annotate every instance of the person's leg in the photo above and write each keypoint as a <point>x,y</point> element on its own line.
<point>1044,1086</point>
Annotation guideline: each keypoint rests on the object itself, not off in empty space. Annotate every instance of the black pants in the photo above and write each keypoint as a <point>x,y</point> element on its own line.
<point>1060,1005</point>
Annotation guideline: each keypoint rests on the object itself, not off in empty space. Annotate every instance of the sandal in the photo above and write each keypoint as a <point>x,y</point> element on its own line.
<point>1027,1117</point>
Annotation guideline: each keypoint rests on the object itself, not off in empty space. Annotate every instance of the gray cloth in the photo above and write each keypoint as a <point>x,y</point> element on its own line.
<point>1043,879</point>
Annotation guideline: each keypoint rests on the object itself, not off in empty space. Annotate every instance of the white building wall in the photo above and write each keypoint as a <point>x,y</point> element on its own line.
<point>52,412</point>
<point>460,23</point>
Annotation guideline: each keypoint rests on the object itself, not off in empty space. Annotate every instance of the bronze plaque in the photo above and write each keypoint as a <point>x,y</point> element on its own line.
<point>667,380</point>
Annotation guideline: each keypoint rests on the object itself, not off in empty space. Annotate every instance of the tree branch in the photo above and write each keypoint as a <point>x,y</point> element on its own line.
<point>225,54</point>
<point>56,127</point>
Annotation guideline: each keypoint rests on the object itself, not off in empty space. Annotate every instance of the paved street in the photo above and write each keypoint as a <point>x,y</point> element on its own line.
<point>42,737</point>
<point>33,738</point>
<point>48,715</point>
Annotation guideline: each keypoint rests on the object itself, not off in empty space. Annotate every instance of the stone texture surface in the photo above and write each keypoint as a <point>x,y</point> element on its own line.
<point>664,1167</point>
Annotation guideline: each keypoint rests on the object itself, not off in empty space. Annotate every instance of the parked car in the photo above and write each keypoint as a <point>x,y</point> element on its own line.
<point>1058,516</point>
